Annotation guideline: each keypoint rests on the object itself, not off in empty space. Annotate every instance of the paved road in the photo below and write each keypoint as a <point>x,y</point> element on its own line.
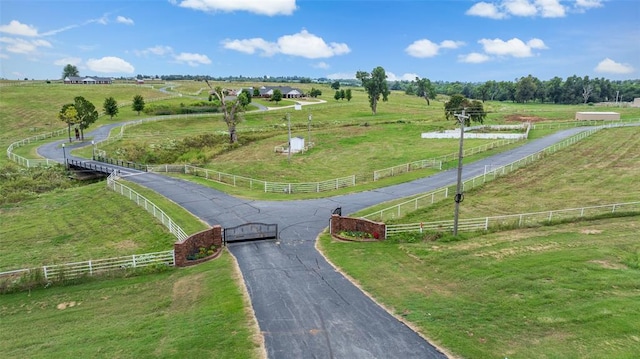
<point>304,307</point>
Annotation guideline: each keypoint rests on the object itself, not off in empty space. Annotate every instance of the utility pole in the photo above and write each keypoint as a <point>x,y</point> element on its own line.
<point>459,197</point>
<point>289,150</point>
<point>309,140</point>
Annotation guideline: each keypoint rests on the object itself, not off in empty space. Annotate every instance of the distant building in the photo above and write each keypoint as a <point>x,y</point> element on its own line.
<point>88,80</point>
<point>287,92</point>
<point>590,116</point>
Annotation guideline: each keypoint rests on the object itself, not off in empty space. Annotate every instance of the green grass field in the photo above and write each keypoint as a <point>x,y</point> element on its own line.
<point>198,312</point>
<point>564,291</point>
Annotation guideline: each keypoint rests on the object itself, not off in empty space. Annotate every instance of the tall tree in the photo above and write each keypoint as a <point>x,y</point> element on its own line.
<point>69,70</point>
<point>110,107</point>
<point>376,85</point>
<point>458,103</point>
<point>231,110</point>
<point>276,96</point>
<point>335,85</point>
<point>337,96</point>
<point>425,89</point>
<point>347,95</point>
<point>138,103</point>
<point>525,89</point>
<point>68,114</point>
<point>87,113</point>
<point>554,89</point>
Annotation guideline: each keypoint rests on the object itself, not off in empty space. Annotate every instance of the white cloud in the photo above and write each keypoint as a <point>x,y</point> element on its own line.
<point>124,20</point>
<point>426,48</point>
<point>310,46</point>
<point>474,58</point>
<point>525,8</point>
<point>68,60</point>
<point>611,67</point>
<point>21,46</point>
<point>261,7</point>
<point>192,59</point>
<point>484,9</point>
<point>588,4</point>
<point>514,47</point>
<point>321,65</point>
<point>251,46</point>
<point>110,64</point>
<point>158,50</point>
<point>550,8</point>
<point>17,28</point>
<point>520,7</point>
<point>303,44</point>
<point>405,77</point>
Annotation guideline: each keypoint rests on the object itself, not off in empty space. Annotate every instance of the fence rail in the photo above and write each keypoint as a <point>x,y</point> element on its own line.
<point>514,220</point>
<point>403,208</point>
<point>60,272</point>
<point>149,206</point>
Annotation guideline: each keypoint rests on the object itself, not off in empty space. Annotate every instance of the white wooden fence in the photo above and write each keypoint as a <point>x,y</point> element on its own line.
<point>59,272</point>
<point>411,205</point>
<point>149,206</point>
<point>514,220</point>
<point>252,183</point>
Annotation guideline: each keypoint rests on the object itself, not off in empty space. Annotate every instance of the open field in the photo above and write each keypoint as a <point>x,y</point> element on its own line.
<point>601,169</point>
<point>78,224</point>
<point>197,312</point>
<point>564,291</point>
<point>568,291</point>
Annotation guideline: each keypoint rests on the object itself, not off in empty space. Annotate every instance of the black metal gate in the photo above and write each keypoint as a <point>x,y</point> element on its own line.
<point>250,232</point>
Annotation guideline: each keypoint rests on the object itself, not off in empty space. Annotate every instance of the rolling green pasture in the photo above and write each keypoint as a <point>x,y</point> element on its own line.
<point>30,109</point>
<point>198,312</point>
<point>601,169</point>
<point>82,223</point>
<point>568,291</point>
<point>563,291</point>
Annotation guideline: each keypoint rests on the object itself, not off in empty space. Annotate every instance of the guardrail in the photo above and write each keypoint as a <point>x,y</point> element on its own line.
<point>514,220</point>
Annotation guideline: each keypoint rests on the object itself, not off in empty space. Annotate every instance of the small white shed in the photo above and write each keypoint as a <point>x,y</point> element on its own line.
<point>297,144</point>
<point>591,116</point>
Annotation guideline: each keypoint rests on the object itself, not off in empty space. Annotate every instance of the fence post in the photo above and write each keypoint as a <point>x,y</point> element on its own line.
<point>46,273</point>
<point>133,258</point>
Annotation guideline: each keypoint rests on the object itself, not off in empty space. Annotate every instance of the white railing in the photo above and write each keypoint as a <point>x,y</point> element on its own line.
<point>251,183</point>
<point>514,220</point>
<point>58,272</point>
<point>403,208</point>
<point>149,206</point>
<point>26,162</point>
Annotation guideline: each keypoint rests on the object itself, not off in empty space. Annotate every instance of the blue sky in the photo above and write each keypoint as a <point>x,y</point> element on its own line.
<point>459,40</point>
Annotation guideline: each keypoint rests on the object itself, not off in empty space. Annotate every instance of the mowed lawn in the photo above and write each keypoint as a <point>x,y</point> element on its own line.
<point>564,291</point>
<point>197,312</point>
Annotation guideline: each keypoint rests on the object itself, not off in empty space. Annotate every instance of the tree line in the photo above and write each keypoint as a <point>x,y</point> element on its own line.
<point>572,90</point>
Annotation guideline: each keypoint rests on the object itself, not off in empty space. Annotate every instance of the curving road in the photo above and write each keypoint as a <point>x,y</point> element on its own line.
<point>304,307</point>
